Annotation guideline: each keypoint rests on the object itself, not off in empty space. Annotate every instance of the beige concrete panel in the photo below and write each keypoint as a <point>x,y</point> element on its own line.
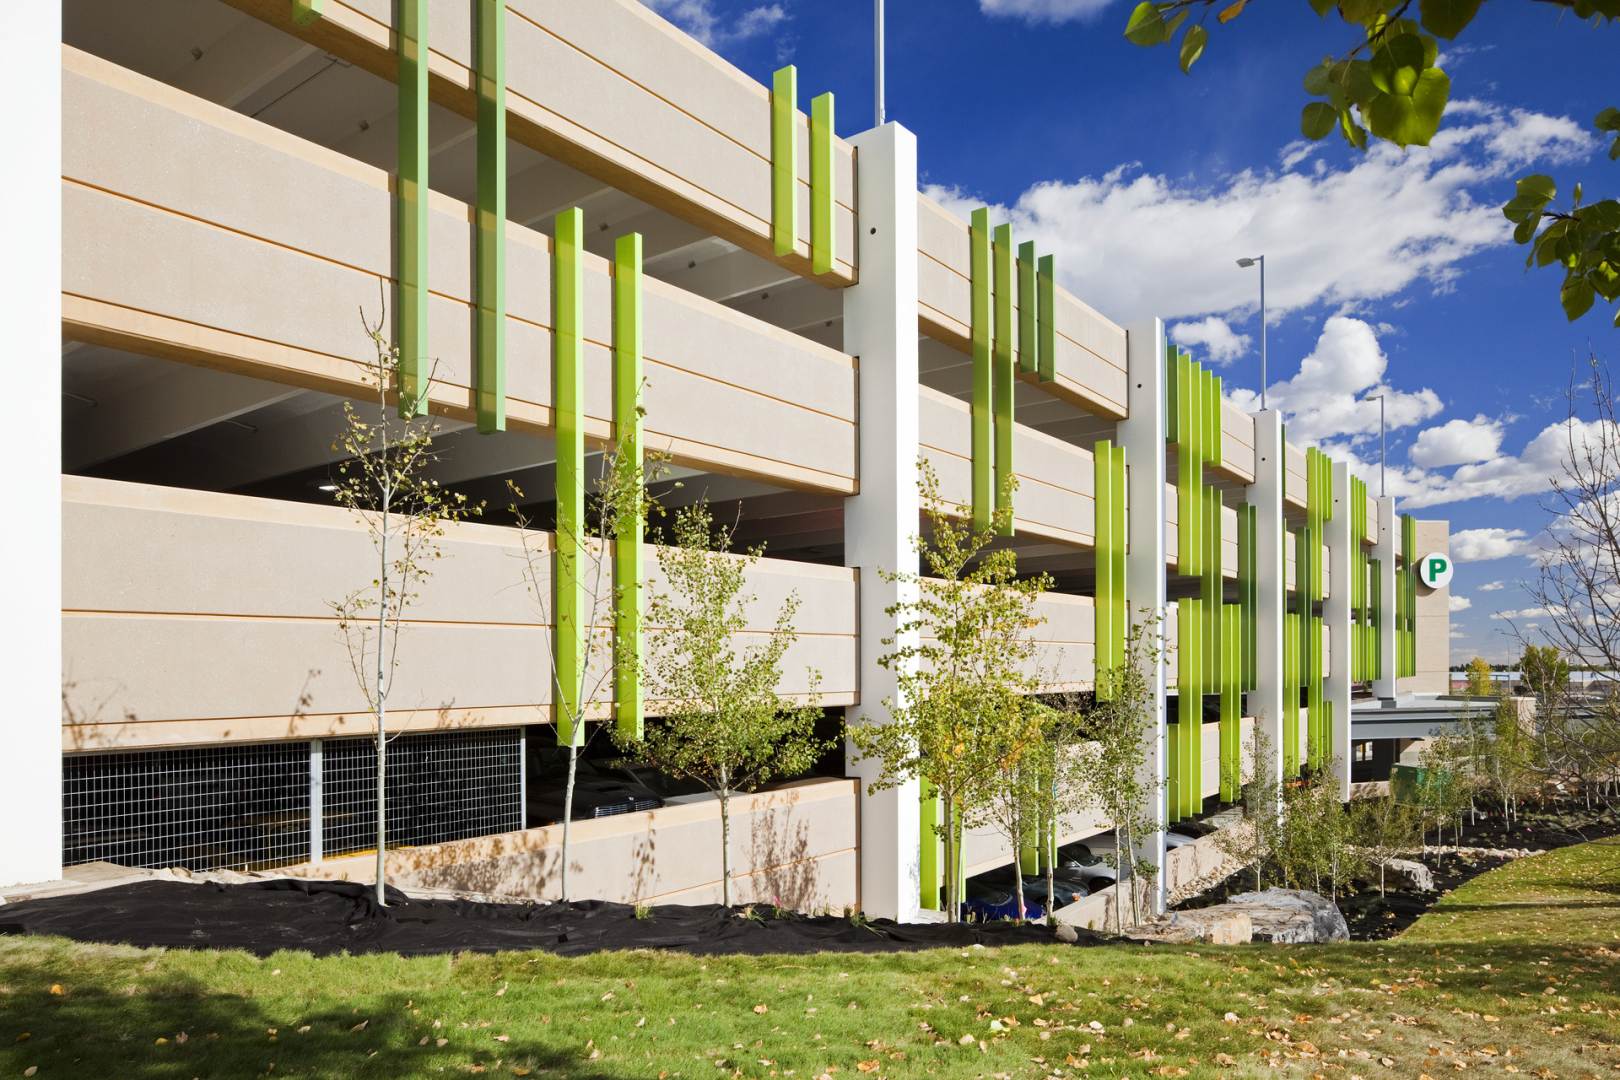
<point>243,255</point>
<point>1055,479</point>
<point>1089,367</point>
<point>180,626</point>
<point>1237,442</point>
<point>1066,658</point>
<point>1433,614</point>
<point>1209,747</point>
<point>612,89</point>
<point>1294,463</point>
<point>1172,634</point>
<point>794,846</point>
<point>1371,539</point>
<point>1172,537</point>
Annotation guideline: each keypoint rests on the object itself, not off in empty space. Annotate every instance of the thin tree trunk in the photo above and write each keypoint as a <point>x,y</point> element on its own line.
<point>382,713</point>
<point>1049,856</point>
<point>1119,880</point>
<point>568,810</point>
<point>725,846</point>
<point>1018,869</point>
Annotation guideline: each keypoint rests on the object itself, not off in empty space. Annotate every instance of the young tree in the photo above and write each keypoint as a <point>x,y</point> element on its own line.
<point>1255,844</point>
<point>1121,723</point>
<point>616,508</point>
<point>1060,760</point>
<point>962,659</point>
<point>1380,830</point>
<point>1480,683</point>
<point>384,480</point>
<point>1023,791</point>
<point>1577,585</point>
<point>726,728</point>
<point>1446,788</point>
<point>1389,85</point>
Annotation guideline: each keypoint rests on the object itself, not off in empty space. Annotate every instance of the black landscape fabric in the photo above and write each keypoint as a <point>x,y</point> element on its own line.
<point>328,917</point>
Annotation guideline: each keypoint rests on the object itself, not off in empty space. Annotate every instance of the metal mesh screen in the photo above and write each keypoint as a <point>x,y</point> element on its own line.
<point>441,786</point>
<point>237,806</point>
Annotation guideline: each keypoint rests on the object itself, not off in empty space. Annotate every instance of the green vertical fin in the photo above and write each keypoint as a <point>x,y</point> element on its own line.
<point>628,705</point>
<point>784,160</point>
<point>1045,326</point>
<point>489,365</point>
<point>983,445</point>
<point>1028,311</point>
<point>823,237</point>
<point>568,405</point>
<point>930,862</point>
<point>411,210</point>
<point>1002,394</point>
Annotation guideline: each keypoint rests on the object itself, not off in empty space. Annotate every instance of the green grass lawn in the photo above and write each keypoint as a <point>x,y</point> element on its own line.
<point>1518,972</point>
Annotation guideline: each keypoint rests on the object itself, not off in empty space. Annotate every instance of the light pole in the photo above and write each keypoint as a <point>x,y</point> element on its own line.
<point>1382,453</point>
<point>1259,260</point>
<point>878,109</point>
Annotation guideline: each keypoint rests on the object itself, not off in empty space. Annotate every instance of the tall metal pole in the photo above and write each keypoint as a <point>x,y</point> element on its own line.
<point>1262,331</point>
<point>1383,453</point>
<point>878,110</point>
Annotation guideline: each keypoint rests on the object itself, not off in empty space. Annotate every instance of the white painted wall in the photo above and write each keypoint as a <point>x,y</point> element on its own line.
<point>880,327</point>
<point>1142,436</point>
<point>30,550</point>
<point>1266,701</point>
<point>1336,622</point>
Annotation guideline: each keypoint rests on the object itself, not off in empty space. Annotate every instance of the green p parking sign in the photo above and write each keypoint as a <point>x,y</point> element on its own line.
<point>1434,570</point>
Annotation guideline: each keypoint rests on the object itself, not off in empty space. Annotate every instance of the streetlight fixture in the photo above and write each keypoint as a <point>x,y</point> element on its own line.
<point>1245,263</point>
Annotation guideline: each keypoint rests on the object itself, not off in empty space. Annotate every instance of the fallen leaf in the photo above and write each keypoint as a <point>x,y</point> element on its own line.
<point>761,1009</point>
<point>867,1066</point>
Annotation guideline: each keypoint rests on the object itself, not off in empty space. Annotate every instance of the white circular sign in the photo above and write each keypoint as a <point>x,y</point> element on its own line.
<point>1434,570</point>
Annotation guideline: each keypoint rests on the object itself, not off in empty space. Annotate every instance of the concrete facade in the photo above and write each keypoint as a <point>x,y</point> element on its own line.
<point>227,191</point>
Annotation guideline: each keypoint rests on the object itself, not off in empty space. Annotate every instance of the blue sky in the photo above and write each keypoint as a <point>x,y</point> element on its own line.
<point>1387,269</point>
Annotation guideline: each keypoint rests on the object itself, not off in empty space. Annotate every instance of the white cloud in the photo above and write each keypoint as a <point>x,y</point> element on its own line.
<point>1459,603</point>
<point>1134,244</point>
<point>1329,397</point>
<point>1521,614</point>
<point>1457,442</point>
<point>1215,336</point>
<point>1482,545</point>
<point>699,18</point>
<point>1044,11</point>
<point>1508,476</point>
<point>1493,586</point>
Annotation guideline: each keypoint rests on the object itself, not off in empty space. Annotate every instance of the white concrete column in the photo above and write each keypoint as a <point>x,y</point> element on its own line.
<point>1266,493</point>
<point>1389,538</point>
<point>31,549</point>
<point>880,523</point>
<point>1142,436</point>
<point>1336,622</point>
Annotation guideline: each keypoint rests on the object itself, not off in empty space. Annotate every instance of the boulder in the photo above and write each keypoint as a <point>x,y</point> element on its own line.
<point>1290,916</point>
<point>1217,925</point>
<point>1416,874</point>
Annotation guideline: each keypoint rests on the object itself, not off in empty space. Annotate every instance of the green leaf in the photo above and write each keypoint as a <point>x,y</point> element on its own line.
<point>1411,119</point>
<point>1231,11</point>
<point>1576,296</point>
<point>1322,7</point>
<point>1146,25</point>
<point>1537,186</point>
<point>1317,120</point>
<point>1319,80</point>
<point>1192,46</point>
<point>1447,18</point>
<point>1360,11</point>
<point>1354,133</point>
<point>1608,120</point>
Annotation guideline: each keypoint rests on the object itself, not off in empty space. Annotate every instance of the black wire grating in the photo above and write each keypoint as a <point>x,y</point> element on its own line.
<point>441,786</point>
<point>247,806</point>
<point>220,807</point>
